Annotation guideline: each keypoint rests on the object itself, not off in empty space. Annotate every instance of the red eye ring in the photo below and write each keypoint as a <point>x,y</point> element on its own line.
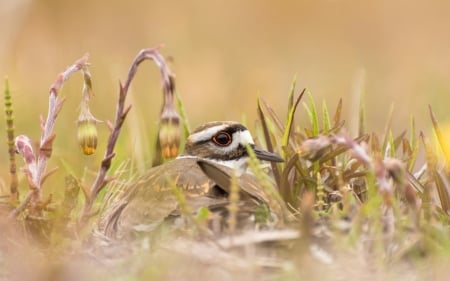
<point>222,138</point>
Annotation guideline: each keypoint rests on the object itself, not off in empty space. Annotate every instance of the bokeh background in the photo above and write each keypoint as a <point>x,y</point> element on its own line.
<point>225,54</point>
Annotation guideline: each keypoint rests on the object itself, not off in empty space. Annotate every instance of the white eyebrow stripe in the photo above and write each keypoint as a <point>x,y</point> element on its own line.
<point>245,137</point>
<point>206,134</point>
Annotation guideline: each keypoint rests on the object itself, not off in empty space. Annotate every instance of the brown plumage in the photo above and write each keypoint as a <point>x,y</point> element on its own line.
<point>219,147</point>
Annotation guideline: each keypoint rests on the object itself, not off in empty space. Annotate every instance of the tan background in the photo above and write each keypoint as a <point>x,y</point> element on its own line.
<point>225,54</point>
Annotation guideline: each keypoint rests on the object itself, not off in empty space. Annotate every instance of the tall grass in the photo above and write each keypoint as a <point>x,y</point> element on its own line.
<point>350,207</point>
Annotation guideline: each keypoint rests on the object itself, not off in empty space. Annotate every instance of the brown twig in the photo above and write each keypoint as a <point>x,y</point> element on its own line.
<point>121,113</point>
<point>37,164</point>
<point>54,107</point>
<point>14,213</point>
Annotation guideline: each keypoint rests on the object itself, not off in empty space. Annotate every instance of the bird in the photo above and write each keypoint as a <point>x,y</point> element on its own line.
<point>214,153</point>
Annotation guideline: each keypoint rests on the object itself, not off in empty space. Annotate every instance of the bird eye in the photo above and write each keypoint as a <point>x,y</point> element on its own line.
<point>222,139</point>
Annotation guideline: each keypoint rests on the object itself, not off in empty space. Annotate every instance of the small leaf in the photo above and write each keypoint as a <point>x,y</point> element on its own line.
<point>442,142</point>
<point>375,143</point>
<point>397,142</point>
<point>414,146</point>
<point>290,121</point>
<point>270,116</point>
<point>325,117</point>
<point>85,190</point>
<point>362,116</point>
<point>47,146</point>
<point>337,114</point>
<point>291,94</point>
<point>387,129</point>
<point>203,214</point>
<point>392,147</point>
<point>314,115</point>
<point>48,173</point>
<point>286,191</point>
<point>442,189</point>
<point>262,117</point>
<point>183,115</point>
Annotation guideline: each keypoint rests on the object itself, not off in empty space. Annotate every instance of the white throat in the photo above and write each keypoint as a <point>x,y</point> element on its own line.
<point>239,165</point>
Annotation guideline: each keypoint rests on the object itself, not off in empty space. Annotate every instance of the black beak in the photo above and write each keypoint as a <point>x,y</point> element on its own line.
<point>266,155</point>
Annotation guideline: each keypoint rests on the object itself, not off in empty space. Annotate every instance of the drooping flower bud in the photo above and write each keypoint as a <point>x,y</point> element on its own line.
<point>87,135</point>
<point>169,133</point>
<point>87,123</point>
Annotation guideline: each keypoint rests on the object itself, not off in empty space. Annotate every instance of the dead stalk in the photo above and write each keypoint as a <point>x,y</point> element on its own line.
<point>121,113</point>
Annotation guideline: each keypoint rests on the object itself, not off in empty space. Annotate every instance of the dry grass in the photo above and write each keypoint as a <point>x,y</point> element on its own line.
<point>357,207</point>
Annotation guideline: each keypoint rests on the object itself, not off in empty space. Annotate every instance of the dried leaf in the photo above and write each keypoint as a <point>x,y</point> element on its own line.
<point>286,191</point>
<point>262,117</point>
<point>338,113</point>
<point>442,189</point>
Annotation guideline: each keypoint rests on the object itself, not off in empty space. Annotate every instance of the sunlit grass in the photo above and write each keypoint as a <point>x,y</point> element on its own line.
<point>348,208</point>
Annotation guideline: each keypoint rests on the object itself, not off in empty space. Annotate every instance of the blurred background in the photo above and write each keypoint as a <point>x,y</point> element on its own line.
<point>225,54</point>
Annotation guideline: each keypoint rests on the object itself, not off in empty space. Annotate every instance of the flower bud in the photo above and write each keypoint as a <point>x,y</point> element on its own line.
<point>169,136</point>
<point>87,135</point>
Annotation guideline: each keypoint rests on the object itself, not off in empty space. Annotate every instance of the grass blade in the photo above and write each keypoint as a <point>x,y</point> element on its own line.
<point>362,116</point>
<point>326,122</point>
<point>414,146</point>
<point>442,190</point>
<point>262,117</point>
<point>442,142</point>
<point>387,129</point>
<point>271,116</point>
<point>431,166</point>
<point>314,116</point>
<point>286,189</point>
<point>183,115</point>
<point>290,121</point>
<point>338,113</point>
<point>291,94</point>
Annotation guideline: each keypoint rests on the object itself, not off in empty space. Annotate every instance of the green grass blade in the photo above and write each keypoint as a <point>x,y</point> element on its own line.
<point>183,115</point>
<point>412,135</point>
<point>326,121</point>
<point>387,129</point>
<point>314,115</point>
<point>442,142</point>
<point>291,94</point>
<point>362,116</point>
<point>392,147</point>
<point>431,166</point>
<point>308,112</point>
<point>290,121</point>
<point>413,144</point>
